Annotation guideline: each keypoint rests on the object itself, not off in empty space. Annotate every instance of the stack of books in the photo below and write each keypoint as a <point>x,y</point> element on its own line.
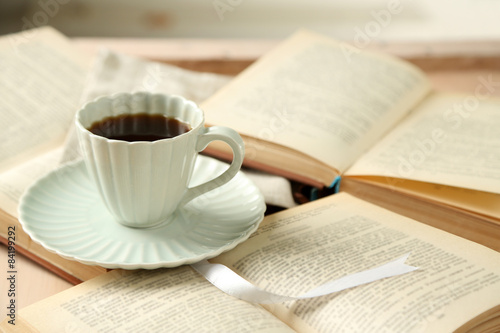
<point>413,169</point>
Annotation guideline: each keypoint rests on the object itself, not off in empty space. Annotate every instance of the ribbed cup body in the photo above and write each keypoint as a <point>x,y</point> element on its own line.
<point>141,183</point>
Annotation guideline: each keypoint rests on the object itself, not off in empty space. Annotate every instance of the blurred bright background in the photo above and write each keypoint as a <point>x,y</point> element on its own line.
<point>385,20</point>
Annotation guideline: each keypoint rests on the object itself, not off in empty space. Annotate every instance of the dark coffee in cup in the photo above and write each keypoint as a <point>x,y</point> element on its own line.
<point>139,127</point>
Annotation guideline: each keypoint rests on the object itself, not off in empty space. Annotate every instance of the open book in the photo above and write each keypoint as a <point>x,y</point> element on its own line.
<point>43,83</point>
<point>455,289</point>
<point>314,109</point>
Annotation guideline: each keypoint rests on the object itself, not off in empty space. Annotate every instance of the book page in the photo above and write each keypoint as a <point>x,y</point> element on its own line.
<point>40,87</point>
<point>15,181</point>
<point>449,139</point>
<point>162,300</point>
<point>477,202</point>
<point>314,95</point>
<point>304,247</point>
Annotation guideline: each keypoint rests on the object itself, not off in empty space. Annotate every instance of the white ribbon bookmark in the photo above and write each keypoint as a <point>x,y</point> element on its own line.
<point>231,283</point>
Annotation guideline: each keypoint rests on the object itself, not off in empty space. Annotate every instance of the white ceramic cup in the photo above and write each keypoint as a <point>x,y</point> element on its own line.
<point>142,183</point>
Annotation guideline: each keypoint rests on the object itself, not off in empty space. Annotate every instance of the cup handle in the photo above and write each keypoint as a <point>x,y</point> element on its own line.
<point>234,140</point>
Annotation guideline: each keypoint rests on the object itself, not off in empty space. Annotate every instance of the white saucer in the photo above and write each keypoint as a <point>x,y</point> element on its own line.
<point>64,213</point>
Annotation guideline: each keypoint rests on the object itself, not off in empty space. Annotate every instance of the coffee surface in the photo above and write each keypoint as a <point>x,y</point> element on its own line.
<point>139,127</point>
